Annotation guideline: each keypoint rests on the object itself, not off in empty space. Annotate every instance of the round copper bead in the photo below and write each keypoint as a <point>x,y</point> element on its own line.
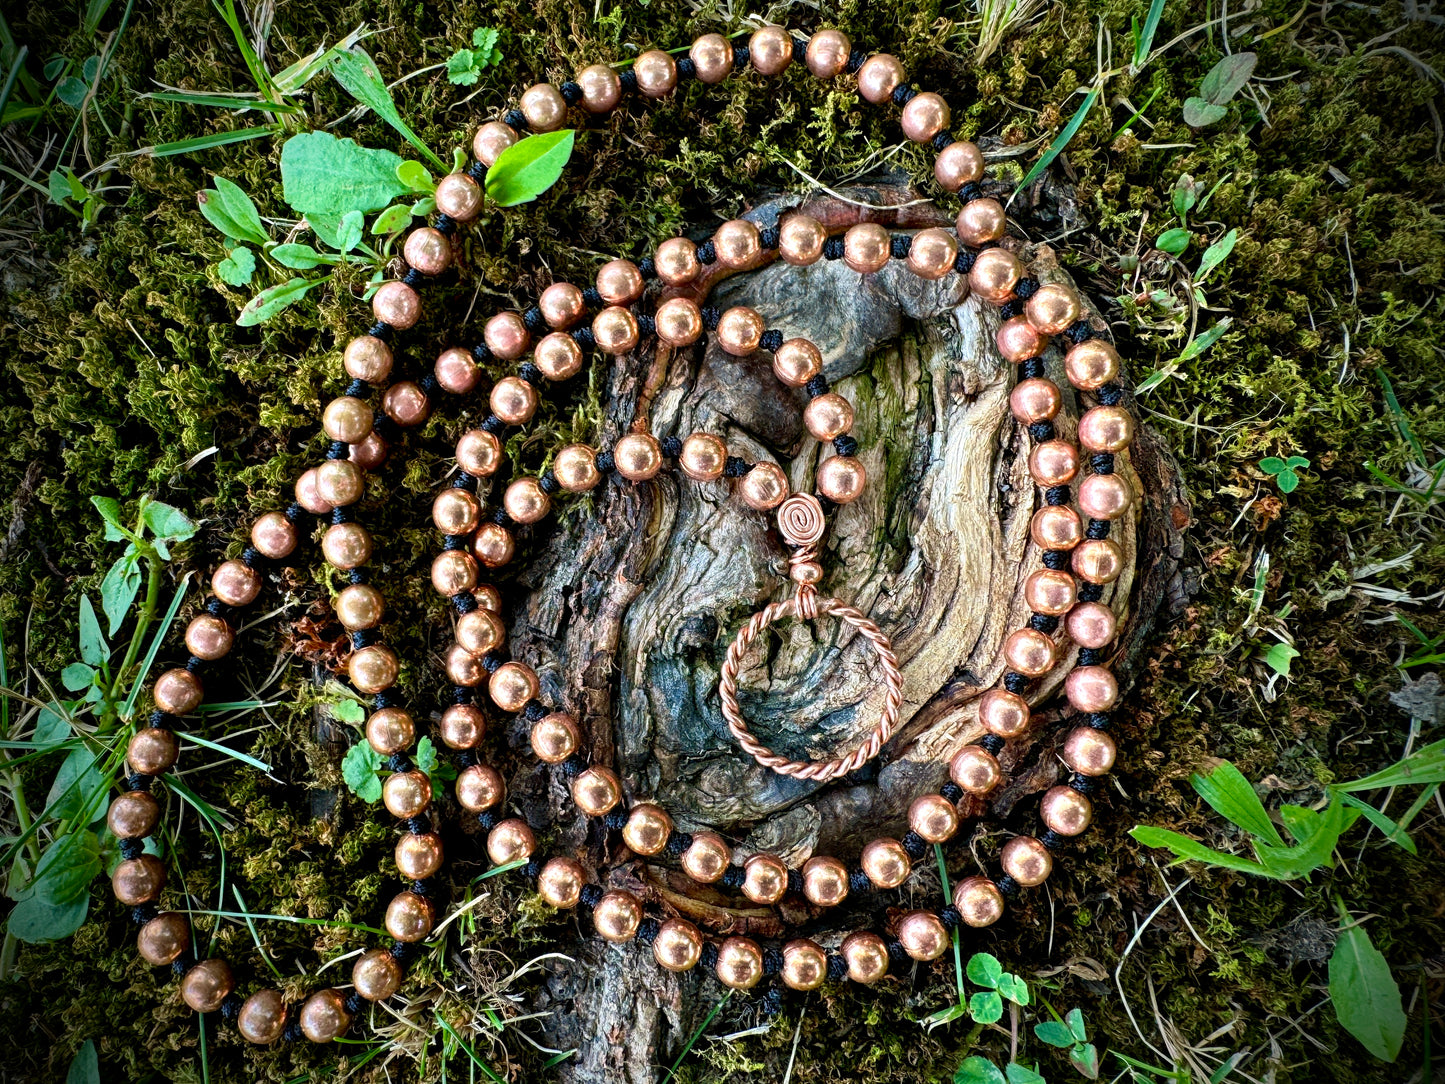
<point>1056,527</point>
<point>406,404</point>
<point>1050,591</point>
<point>323,1017</point>
<point>396,303</point>
<point>153,750</point>
<point>933,817</point>
<point>560,883</point>
<point>1034,400</point>
<point>206,985</point>
<point>878,77</point>
<point>867,247</point>
<point>367,358</point>
<point>273,535</point>
<point>1089,751</point>
<point>1018,341</point>
<point>765,879</point>
<point>739,963</point>
<point>373,668</point>
<point>619,282</point>
<point>737,243</point>
<point>544,107</point>
<point>458,196</point>
<point>981,221</point>
<point>801,239</point>
<point>339,482</point>
<point>601,88</point>
<point>678,945</point>
<point>346,545</point>
<point>1091,624</point>
<point>616,916</point>
<point>703,457</point>
<point>796,362</point>
<point>376,975</point>
<point>678,321</point>
<point>561,305</point>
<point>676,261</point>
<point>555,737</point>
<point>1065,811</point>
<point>656,73</point>
<point>479,787</point>
<point>306,495</point>
<point>923,935</point>
<point>1091,364</point>
<point>164,938</point>
<point>456,372</point>
<point>1053,308</point>
<point>453,571</point>
<point>638,457</point>
<point>513,400</point>
<point>1030,652</point>
<point>493,545</point>
<point>455,511</point>
<point>1098,560</point>
<point>841,478</point>
<point>408,917</point>
<point>975,769</point>
<point>866,956</point>
<point>1026,860</point>
<point>262,1018</point>
<point>178,692</point>
<point>979,901</point>
<point>706,858</point>
<point>506,336</point>
<point>825,881</point>
<point>994,275</point>
<point>576,468</point>
<point>138,880</point>
<point>740,331</point>
<point>390,730</point>
<point>463,668</point>
<point>235,584</point>
<point>479,452</point>
<point>133,815</point>
<point>491,140</point>
<point>712,56</point>
<point>512,684</point>
<point>346,418</point>
<point>770,50</point>
<point>462,726</point>
<point>1003,713</point>
<point>488,598</point>
<point>764,487</point>
<point>418,856</point>
<point>1105,496</point>
<point>647,829</point>
<point>370,453</point>
<point>406,794</point>
<point>827,416</point>
<point>428,250</point>
<point>510,841</point>
<point>924,116</point>
<point>1053,463</point>
<point>1091,689</point>
<point>827,55</point>
<point>958,164</point>
<point>805,965</point>
<point>597,790</point>
<point>886,862</point>
<point>615,330</point>
<point>1106,429</point>
<point>932,254</point>
<point>526,501</point>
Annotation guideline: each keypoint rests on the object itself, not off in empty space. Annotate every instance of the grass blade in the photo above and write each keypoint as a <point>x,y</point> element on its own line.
<point>150,656</point>
<point>223,101</point>
<point>1145,43</point>
<point>477,1061</point>
<point>256,937</point>
<point>1060,141</point>
<point>206,142</point>
<point>244,758</point>
<point>692,1040</point>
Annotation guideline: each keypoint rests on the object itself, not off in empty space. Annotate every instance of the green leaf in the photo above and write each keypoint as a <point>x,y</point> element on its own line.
<point>297,257</point>
<point>359,768</point>
<point>77,676</point>
<point>1193,851</point>
<point>1205,340</point>
<point>110,512</point>
<point>231,211</point>
<point>1013,988</point>
<point>1317,833</point>
<point>1054,1033</point>
<point>1061,140</point>
<point>330,176</point>
<point>1392,831</point>
<point>66,869</point>
<point>423,207</point>
<point>238,267</point>
<point>348,711</point>
<point>36,920</point>
<point>1085,1058</point>
<point>1075,1020</point>
<point>1364,993</point>
<point>485,40</point>
<point>348,233</point>
<point>51,726</point>
<point>1022,1074</point>
<point>1173,241</point>
<point>76,786</point>
<point>1296,462</point>
<point>1278,657</point>
<point>529,167</point>
<point>1184,196</point>
<point>72,92</point>
<point>1227,78</point>
<point>1271,464</point>
<point>415,176</point>
<point>984,970</point>
<point>1199,113</point>
<point>358,75</point>
<point>391,221</point>
<point>327,227</point>
<point>93,647</point>
<point>986,1007</point>
<point>1216,254</point>
<point>269,302</point>
<point>1288,481</point>
<point>977,1070</point>
<point>1232,796</point>
<point>1425,765</point>
<point>167,522</point>
<point>426,755</point>
<point>85,1066</point>
<point>118,589</point>
<point>462,68</point>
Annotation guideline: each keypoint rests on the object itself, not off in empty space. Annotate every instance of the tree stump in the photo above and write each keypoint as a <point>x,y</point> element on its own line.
<point>628,611</point>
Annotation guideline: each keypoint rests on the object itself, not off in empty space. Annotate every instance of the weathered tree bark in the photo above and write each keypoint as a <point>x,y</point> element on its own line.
<point>631,609</point>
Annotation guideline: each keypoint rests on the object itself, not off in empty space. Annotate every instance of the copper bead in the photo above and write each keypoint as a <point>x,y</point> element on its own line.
<point>428,250</point>
<point>923,935</point>
<point>1003,713</point>
<point>396,303</point>
<point>390,730</point>
<point>138,880</point>
<point>712,57</point>
<point>1091,689</point>
<point>825,881</point>
<point>1091,624</point>
<point>1098,560</point>
<point>1026,860</point>
<point>1105,496</point>
<point>177,691</point>
<point>560,883</point>
<point>740,331</point>
<point>958,164</point>
<point>491,140</point>
<point>886,862</point>
<point>1034,400</point>
<point>841,478</point>
<point>273,535</point>
<point>526,501</point>
<point>770,50</point>
<point>617,916</point>
<point>703,457</point>
<point>867,247</point>
<point>933,817</point>
<point>453,571</point>
<point>796,362</point>
<point>878,77</point>
<point>615,330</point>
<point>455,511</point>
<point>994,275</point>
<point>346,545</point>
<point>493,545</point>
<point>164,938</point>
<point>1089,751</point>
<point>801,239</point>
<point>575,468</point>
<point>678,945</point>
<point>647,829</point>
<point>1091,364</point>
<point>133,815</point>
<point>739,963</point>
<point>924,116</point>
<point>1017,340</point>
<point>764,487</point>
<point>981,221</point>
<point>866,956</point>
<point>206,985</point>
<point>513,400</point>
<point>511,685</point>
<point>638,456</point>
<point>339,482</point>
<point>307,497</point>
<point>1056,527</point>
<point>456,372</point>
<point>418,855</point>
<point>479,787</point>
<point>656,73</point>
<point>152,750</point>
<point>458,196</point>
<point>975,770</point>
<point>765,879</point>
<point>1053,463</point>
<point>1065,811</point>
<point>555,737</point>
<point>262,1018</point>
<point>706,858</point>
<point>367,358</point>
<point>1050,591</point>
<point>737,243</point>
<point>406,404</point>
<point>235,583</point>
<point>346,418</point>
<point>827,416</point>
<point>678,321</point>
<point>408,917</point>
<point>323,1017</point>
<point>619,282</point>
<point>376,975</point>
<point>596,790</point>
<point>544,107</point>
<point>1053,308</point>
<point>463,668</point>
<point>510,841</point>
<point>676,261</point>
<point>561,305</point>
<point>979,901</point>
<point>932,254</point>
<point>828,52</point>
<point>805,965</point>
<point>406,794</point>
<point>1106,429</point>
<point>373,668</point>
<point>601,88</point>
<point>478,452</point>
<point>1030,652</point>
<point>462,726</point>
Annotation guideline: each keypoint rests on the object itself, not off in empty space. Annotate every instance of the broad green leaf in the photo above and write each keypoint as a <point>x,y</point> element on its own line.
<point>1075,1020</point>
<point>1227,78</point>
<point>238,267</point>
<point>1216,254</point>
<point>231,211</point>
<point>1205,340</point>
<point>1173,241</point>
<point>109,509</point>
<point>77,677</point>
<point>35,920</point>
<point>66,869</point>
<point>358,75</point>
<point>484,39</point>
<point>118,589</point>
<point>168,522</point>
<point>462,68</point>
<point>93,647</point>
<point>348,233</point>
<point>1364,993</point>
<point>76,787</point>
<point>327,227</point>
<point>984,970</point>
<point>529,167</point>
<point>1085,1058</point>
<point>392,220</point>
<point>1288,481</point>
<point>423,207</point>
<point>1199,113</point>
<point>51,726</point>
<point>986,1007</point>
<point>297,257</point>
<point>72,92</point>
<point>1192,850</point>
<point>1295,462</point>
<point>85,1066</point>
<point>1022,1074</point>
<point>426,755</point>
<point>1278,656</point>
<point>1393,832</point>
<point>1232,796</point>
<point>1013,988</point>
<point>321,174</point>
<point>359,768</point>
<point>944,1016</point>
<point>269,302</point>
<point>1184,196</point>
<point>1054,1033</point>
<point>1318,834</point>
<point>415,176</point>
<point>977,1070</point>
<point>1425,765</point>
<point>348,711</point>
<point>1271,464</point>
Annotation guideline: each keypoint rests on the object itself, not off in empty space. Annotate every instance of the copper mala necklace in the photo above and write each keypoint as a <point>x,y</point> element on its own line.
<point>550,341</point>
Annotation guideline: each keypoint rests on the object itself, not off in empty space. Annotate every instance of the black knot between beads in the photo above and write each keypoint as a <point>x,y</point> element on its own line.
<point>615,820</point>
<point>991,744</point>
<point>1052,840</point>
<point>1011,308</point>
<point>488,820</point>
<point>355,576</point>
<point>419,825</point>
<point>144,913</point>
<point>583,337</point>
<point>817,386</point>
<point>1058,495</point>
<point>183,963</point>
<point>444,224</point>
<point>740,57</point>
<point>1015,682</point>
<point>137,781</point>
<point>1102,463</point>
<point>339,516</point>
<point>292,1033</point>
<point>711,317</point>
<point>1111,394</point>
<point>795,882</point>
<point>845,445</point>
<point>771,340</point>
<point>1099,720</point>
<point>132,847</point>
<point>465,759</point>
<point>1032,369</point>
<point>1008,887</point>
<point>903,94</point>
<point>647,929</point>
<point>1081,783</point>
<point>494,659</point>
<point>460,693</point>
<point>533,710</point>
<point>733,877</point>
<point>914,844</point>
<point>686,68</point>
<point>364,638</point>
<point>338,449</point>
<point>970,191</point>
<point>354,1003</point>
<point>590,895</point>
<point>646,324</point>
<point>1043,622</point>
<point>387,698</point>
<point>571,92</point>
<point>833,248</point>
<point>477,171</point>
<point>413,278</point>
<point>251,557</point>
<point>292,512</point>
<point>897,954</point>
<point>231,1007</point>
<point>1041,431</point>
<point>531,374</point>
<point>423,889</point>
<point>455,542</point>
<point>1058,560</point>
<point>677,842</point>
<point>628,81</point>
<point>1097,529</point>
<point>515,119</point>
<point>770,237</point>
<point>858,881</point>
<point>1025,288</point>
<point>482,354</point>
<point>533,869</point>
<point>380,330</point>
<point>837,967</point>
<point>735,467</point>
<point>963,262</point>
<point>647,267</point>
<point>1091,592</point>
<point>163,720</point>
<point>464,602</point>
<point>709,954</point>
<point>1079,331</point>
<point>606,463</point>
<point>574,766</point>
<point>900,245</point>
<point>951,792</point>
<point>855,61</point>
<point>707,252</point>
<point>591,298</point>
<point>398,762</point>
<point>772,962</point>
<point>549,484</point>
<point>356,389</point>
<point>950,917</point>
<point>535,322</point>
